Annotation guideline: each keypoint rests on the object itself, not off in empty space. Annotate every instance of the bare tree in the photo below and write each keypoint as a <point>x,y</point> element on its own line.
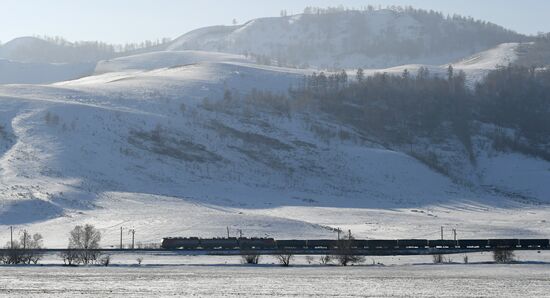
<point>70,257</point>
<point>31,244</point>
<point>13,253</point>
<point>23,251</point>
<point>251,259</point>
<point>284,259</point>
<point>325,260</point>
<point>502,255</point>
<point>345,253</point>
<point>105,260</point>
<point>437,259</point>
<point>85,240</point>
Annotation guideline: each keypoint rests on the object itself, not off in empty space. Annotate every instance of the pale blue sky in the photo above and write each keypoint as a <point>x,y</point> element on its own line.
<point>120,21</point>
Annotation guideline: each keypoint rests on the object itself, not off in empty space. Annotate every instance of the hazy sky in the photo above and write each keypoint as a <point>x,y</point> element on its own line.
<point>120,21</point>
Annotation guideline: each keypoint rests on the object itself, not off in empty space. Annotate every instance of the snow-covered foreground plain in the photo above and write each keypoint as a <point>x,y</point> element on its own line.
<point>169,274</point>
<point>475,280</point>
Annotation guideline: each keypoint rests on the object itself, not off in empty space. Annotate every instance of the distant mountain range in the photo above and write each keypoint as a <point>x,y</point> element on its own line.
<point>317,39</point>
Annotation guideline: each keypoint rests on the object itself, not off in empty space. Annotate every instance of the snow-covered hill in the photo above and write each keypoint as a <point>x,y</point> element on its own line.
<point>351,39</point>
<point>12,72</point>
<point>26,49</point>
<point>31,60</point>
<point>37,50</point>
<point>142,149</point>
<point>142,143</point>
<point>163,59</point>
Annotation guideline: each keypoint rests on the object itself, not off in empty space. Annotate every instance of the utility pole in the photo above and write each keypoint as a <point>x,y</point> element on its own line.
<point>454,234</point>
<point>339,231</point>
<point>24,239</point>
<point>133,231</point>
<point>120,237</point>
<point>227,232</point>
<point>11,237</point>
<point>441,232</point>
<point>349,234</point>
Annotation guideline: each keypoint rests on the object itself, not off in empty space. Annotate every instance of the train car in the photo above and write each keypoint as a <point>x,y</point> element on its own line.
<point>359,244</point>
<point>257,243</point>
<point>180,243</point>
<point>381,244</point>
<point>412,243</point>
<point>473,243</point>
<point>321,244</point>
<point>442,243</point>
<point>503,243</point>
<point>534,243</point>
<point>219,243</point>
<point>292,244</point>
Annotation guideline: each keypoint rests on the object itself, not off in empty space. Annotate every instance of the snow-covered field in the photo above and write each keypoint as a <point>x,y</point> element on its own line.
<point>41,73</point>
<point>217,277</point>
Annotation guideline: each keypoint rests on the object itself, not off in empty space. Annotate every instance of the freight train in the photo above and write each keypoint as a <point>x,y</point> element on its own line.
<point>195,243</point>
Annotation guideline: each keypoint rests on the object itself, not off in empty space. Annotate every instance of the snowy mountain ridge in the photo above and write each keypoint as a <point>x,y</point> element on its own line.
<point>351,39</point>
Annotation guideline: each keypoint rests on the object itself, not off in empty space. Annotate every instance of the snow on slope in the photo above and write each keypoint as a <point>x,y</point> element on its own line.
<point>155,60</point>
<point>12,72</point>
<point>514,173</point>
<point>118,149</point>
<point>501,55</point>
<point>475,66</point>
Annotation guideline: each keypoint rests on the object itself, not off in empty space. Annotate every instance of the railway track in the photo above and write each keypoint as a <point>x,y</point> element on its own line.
<point>237,252</point>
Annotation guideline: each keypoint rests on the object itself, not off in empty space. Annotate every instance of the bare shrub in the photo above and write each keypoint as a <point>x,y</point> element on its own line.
<point>70,257</point>
<point>325,260</point>
<point>31,246</point>
<point>284,259</point>
<point>51,119</point>
<point>309,259</point>
<point>251,259</point>
<point>345,253</point>
<point>157,134</point>
<point>13,254</point>
<point>438,259</point>
<point>502,255</point>
<point>466,260</point>
<point>346,259</point>
<point>139,260</point>
<point>105,260</point>
<point>23,251</point>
